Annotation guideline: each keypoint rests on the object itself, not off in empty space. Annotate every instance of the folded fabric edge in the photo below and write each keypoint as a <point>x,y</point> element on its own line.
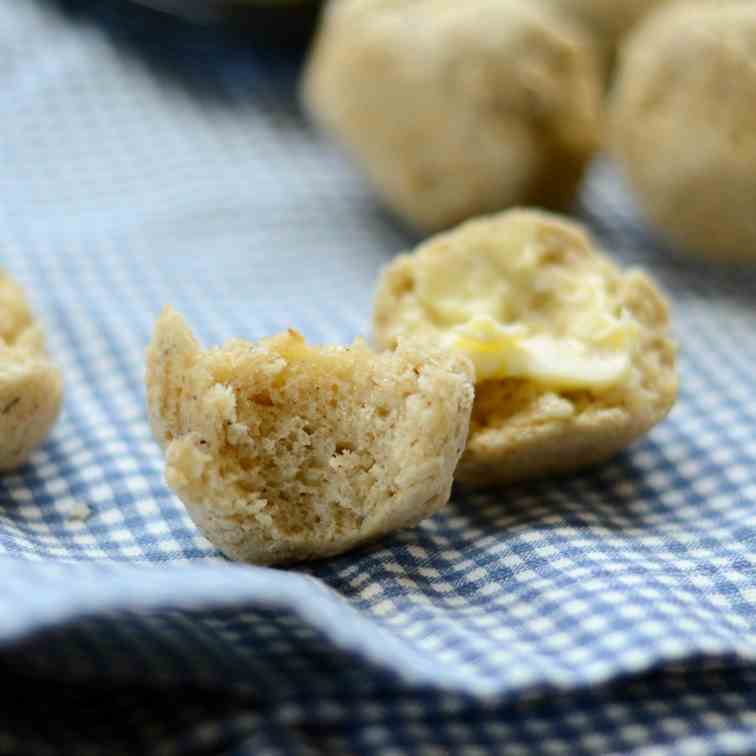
<point>130,594</point>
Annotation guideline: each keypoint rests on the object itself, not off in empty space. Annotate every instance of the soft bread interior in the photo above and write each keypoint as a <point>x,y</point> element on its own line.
<point>529,425</point>
<point>31,387</point>
<point>284,450</point>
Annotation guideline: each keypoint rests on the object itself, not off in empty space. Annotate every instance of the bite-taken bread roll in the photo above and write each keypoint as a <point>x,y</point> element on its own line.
<point>683,125</point>
<point>573,357</point>
<point>458,108</point>
<point>283,452</point>
<point>31,387</point>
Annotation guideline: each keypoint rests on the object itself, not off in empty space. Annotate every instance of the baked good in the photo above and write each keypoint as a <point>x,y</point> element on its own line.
<point>607,20</point>
<point>283,452</point>
<point>573,357</point>
<point>683,125</point>
<point>457,108</point>
<point>31,387</point>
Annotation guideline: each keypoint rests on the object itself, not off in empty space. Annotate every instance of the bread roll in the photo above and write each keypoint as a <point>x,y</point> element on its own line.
<point>31,387</point>
<point>573,357</point>
<point>457,108</point>
<point>283,452</point>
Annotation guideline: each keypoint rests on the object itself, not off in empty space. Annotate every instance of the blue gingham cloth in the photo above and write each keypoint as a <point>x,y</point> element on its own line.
<point>611,612</point>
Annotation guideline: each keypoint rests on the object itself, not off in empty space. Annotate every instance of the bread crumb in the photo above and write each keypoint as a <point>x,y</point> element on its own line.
<point>79,511</point>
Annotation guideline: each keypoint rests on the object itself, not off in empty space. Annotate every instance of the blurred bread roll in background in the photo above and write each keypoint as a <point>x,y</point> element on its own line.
<point>607,20</point>
<point>31,387</point>
<point>682,124</point>
<point>457,109</point>
<point>573,357</point>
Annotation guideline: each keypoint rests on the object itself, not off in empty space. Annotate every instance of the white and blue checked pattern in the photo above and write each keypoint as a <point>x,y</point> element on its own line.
<point>612,612</point>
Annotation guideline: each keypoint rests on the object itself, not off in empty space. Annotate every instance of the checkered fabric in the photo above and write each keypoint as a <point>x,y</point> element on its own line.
<point>611,612</point>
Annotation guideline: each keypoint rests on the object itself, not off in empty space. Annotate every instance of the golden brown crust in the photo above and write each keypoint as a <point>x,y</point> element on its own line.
<point>283,452</point>
<point>520,430</point>
<point>455,109</point>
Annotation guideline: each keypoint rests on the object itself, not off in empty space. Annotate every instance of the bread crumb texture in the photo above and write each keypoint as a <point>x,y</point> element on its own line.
<point>78,511</point>
<point>682,124</point>
<point>283,452</point>
<point>458,108</point>
<point>585,366</point>
<point>31,387</point>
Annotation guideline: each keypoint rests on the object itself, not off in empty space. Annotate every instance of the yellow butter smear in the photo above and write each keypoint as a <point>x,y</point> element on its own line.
<point>518,310</point>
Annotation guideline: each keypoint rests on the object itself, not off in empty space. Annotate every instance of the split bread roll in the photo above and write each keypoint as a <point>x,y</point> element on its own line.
<point>683,125</point>
<point>454,109</point>
<point>573,357</point>
<point>283,452</point>
<point>31,387</point>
